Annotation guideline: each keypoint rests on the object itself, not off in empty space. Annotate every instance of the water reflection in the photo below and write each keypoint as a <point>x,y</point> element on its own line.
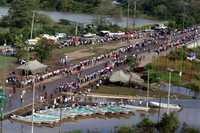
<point>190,114</point>
<point>104,125</point>
<point>180,90</point>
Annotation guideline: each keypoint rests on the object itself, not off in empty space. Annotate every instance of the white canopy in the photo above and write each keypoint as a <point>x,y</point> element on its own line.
<point>33,66</point>
<point>88,35</point>
<point>121,76</point>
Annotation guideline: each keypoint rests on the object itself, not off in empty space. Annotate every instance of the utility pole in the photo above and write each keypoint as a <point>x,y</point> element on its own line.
<point>32,24</point>
<point>33,107</point>
<point>158,121</point>
<point>60,128</point>
<point>169,91</point>
<point>183,16</point>
<point>128,14</point>
<point>76,33</point>
<point>76,30</point>
<point>148,87</point>
<point>183,27</point>
<point>135,9</point>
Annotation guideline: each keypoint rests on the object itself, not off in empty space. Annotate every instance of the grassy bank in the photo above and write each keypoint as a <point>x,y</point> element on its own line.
<point>177,60</point>
<point>6,64</point>
<point>128,91</point>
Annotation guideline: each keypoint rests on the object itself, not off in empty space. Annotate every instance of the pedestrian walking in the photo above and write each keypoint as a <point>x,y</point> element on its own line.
<point>44,87</point>
<point>14,90</point>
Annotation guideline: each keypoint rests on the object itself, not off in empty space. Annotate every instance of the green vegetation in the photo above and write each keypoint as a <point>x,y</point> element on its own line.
<point>44,50</point>
<point>21,48</point>
<point>187,129</point>
<point>82,6</point>
<point>175,11</point>
<point>169,123</point>
<point>146,126</point>
<point>177,61</point>
<point>16,28</point>
<point>157,76</point>
<point>6,64</point>
<point>131,62</point>
<point>18,21</point>
<point>20,13</point>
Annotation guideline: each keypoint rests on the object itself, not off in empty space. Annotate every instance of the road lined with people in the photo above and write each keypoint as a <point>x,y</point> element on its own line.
<point>75,75</point>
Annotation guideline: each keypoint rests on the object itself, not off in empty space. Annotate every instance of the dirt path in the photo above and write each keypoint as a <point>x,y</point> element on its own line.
<point>82,53</point>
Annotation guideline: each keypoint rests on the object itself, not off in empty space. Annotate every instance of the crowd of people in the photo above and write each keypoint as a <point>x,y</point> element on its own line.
<point>157,42</point>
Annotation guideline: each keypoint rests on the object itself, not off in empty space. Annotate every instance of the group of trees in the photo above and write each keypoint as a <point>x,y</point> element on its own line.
<point>131,62</point>
<point>86,6</point>
<point>179,12</point>
<point>18,22</point>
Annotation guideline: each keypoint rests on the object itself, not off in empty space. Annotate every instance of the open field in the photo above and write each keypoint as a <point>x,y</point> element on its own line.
<point>6,64</point>
<point>82,53</point>
<point>190,69</point>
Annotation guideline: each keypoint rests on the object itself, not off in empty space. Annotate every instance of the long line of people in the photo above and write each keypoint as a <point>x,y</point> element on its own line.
<point>78,41</point>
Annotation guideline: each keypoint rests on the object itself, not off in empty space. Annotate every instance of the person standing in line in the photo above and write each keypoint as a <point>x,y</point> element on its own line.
<point>21,99</point>
<point>14,90</point>
<point>44,87</point>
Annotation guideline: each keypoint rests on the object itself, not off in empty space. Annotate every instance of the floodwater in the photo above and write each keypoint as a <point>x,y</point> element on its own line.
<point>190,114</point>
<point>86,18</point>
<point>180,90</point>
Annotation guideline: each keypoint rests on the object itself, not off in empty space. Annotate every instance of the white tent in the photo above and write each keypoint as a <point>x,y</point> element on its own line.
<point>89,35</point>
<point>121,76</point>
<point>32,67</point>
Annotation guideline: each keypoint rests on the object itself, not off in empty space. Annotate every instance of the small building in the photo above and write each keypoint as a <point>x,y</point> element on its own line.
<point>32,68</point>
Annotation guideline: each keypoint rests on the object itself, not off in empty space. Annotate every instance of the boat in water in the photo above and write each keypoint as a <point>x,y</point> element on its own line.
<point>164,105</point>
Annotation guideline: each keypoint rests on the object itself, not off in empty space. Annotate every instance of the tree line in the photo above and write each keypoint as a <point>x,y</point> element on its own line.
<point>86,6</point>
<point>180,13</point>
